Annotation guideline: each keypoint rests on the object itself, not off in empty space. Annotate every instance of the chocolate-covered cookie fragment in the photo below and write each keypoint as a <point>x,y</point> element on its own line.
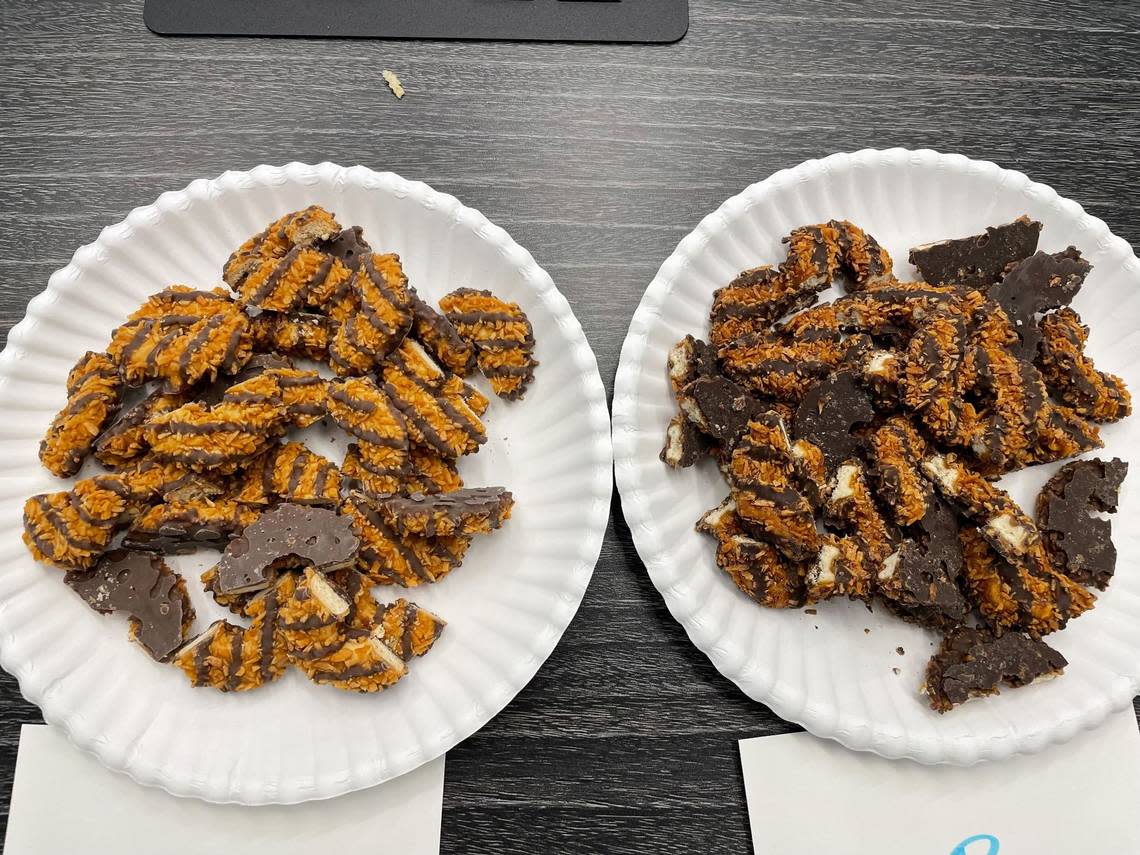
<point>688,360</point>
<point>348,245</point>
<point>972,663</point>
<point>829,412</point>
<point>288,535</point>
<point>501,334</point>
<point>817,253</point>
<point>841,568</point>
<point>293,473</point>
<point>1072,377</point>
<point>125,439</point>
<point>684,444</point>
<point>141,585</point>
<point>753,300</point>
<point>895,450</point>
<point>429,472</point>
<point>757,568</point>
<point>184,527</point>
<point>1041,282</point>
<point>472,510</point>
<point>409,630</point>
<point>94,392</point>
<point>977,261</point>
<point>1079,543</point>
<point>289,283</point>
<point>719,408</point>
<point>919,580</point>
<point>851,507</point>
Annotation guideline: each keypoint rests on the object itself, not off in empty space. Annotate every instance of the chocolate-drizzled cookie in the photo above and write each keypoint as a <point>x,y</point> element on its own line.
<point>309,226</point>
<point>293,473</point>
<point>1041,282</point>
<point>383,319</point>
<point>303,335</point>
<point>140,584</point>
<point>181,337</point>
<point>753,300</point>
<point>409,630</point>
<point>74,527</point>
<point>289,283</point>
<point>1072,377</point>
<point>389,558</point>
<point>472,510</point>
<point>436,333</point>
<point>311,614</point>
<point>94,393</point>
<point>445,424</point>
<point>842,568</point>
<point>502,337</point>
<point>361,664</point>
<point>231,658</point>
<point>250,416</point>
<point>184,527</point>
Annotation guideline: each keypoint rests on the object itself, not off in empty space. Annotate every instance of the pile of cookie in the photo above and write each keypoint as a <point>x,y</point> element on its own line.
<point>204,457</point>
<point>861,440</point>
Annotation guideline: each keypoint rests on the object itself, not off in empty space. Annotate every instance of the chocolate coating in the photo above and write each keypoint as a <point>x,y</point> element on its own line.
<point>829,411</point>
<point>1037,284</point>
<point>314,537</point>
<point>977,261</point>
<point>1081,545</point>
<point>140,584</point>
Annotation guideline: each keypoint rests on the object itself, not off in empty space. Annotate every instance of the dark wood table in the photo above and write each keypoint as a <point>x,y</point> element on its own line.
<point>598,159</point>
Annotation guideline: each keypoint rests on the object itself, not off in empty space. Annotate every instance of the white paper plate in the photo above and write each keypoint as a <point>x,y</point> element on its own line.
<point>506,607</point>
<point>824,672</point>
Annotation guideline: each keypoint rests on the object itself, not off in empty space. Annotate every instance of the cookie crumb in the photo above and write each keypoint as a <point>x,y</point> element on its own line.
<point>900,651</point>
<point>393,83</point>
<point>811,612</point>
<point>866,630</point>
<point>896,670</point>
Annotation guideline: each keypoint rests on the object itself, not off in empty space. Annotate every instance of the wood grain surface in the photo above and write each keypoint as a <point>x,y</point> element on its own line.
<point>598,159</point>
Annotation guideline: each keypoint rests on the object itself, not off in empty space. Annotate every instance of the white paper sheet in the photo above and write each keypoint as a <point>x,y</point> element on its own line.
<point>812,795</point>
<point>64,801</point>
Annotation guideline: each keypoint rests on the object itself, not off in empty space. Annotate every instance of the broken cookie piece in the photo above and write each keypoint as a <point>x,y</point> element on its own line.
<point>830,411</point>
<point>472,510</point>
<point>141,585</point>
<point>183,527</point>
<point>231,658</point>
<point>1041,282</point>
<point>361,664</point>
<point>408,629</point>
<point>842,568</point>
<point>972,663</point>
<point>977,261</point>
<point>753,300</point>
<point>287,535</point>
<point>895,450</point>
<point>757,568</point>
<point>684,444</point>
<point>94,393</point>
<point>719,408</point>
<point>688,360</point>
<point>501,334</point>
<point>1071,375</point>
<point>1079,543</point>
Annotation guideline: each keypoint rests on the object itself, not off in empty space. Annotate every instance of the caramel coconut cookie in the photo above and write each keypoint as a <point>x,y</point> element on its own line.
<point>861,438</point>
<point>188,408</point>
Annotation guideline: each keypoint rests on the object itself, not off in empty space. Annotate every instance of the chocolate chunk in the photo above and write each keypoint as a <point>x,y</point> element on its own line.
<point>828,412</point>
<point>972,663</point>
<point>140,584</point>
<point>1081,545</point>
<point>1037,284</point>
<point>919,581</point>
<point>684,444</point>
<point>977,261</point>
<point>290,535</point>
<point>719,408</point>
<point>472,510</point>
<point>349,246</point>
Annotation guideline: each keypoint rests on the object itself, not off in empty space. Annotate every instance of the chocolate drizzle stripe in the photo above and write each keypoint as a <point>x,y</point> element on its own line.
<point>269,284</point>
<point>201,666</point>
<point>407,553</point>
<point>233,677</point>
<point>410,612</point>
